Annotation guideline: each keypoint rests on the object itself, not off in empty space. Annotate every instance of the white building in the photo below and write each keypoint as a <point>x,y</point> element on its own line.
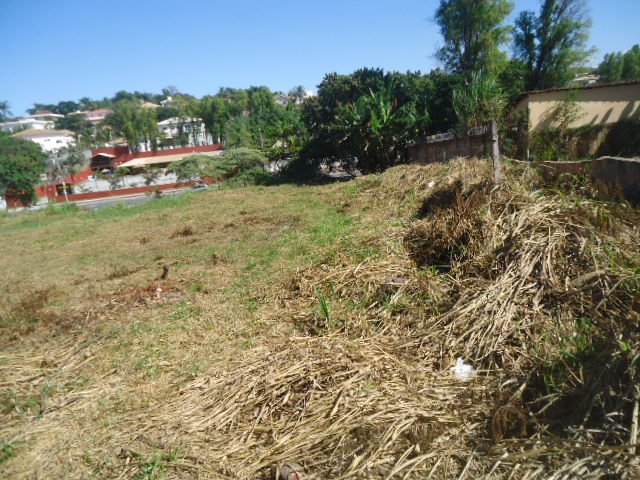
<point>50,140</point>
<point>26,124</point>
<point>192,129</point>
<point>94,116</point>
<point>38,121</point>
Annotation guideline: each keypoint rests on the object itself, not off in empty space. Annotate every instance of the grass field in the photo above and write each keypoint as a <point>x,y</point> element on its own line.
<point>225,333</point>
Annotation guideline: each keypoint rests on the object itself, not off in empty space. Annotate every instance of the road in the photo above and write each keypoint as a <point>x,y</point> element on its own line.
<point>127,200</point>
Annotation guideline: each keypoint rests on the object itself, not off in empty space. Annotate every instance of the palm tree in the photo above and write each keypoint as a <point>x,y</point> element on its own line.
<point>5,112</point>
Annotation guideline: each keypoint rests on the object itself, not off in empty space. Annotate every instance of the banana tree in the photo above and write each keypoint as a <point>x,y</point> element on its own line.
<point>376,127</point>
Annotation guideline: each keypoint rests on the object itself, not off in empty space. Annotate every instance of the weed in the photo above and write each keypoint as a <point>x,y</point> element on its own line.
<point>7,451</point>
<point>325,311</point>
<point>158,465</point>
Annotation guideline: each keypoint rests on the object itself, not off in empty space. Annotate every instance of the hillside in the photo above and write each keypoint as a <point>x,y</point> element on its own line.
<point>227,334</point>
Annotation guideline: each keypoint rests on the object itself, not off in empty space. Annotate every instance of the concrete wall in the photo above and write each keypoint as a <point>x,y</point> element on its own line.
<point>598,106</point>
<point>624,172</point>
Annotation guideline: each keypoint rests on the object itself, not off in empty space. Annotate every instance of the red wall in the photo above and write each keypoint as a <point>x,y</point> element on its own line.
<point>12,203</point>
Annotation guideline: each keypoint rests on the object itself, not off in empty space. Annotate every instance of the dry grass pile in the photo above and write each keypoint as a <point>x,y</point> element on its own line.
<point>341,408</point>
<point>348,371</point>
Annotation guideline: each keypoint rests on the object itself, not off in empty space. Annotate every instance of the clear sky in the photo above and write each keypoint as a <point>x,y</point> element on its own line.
<point>55,50</point>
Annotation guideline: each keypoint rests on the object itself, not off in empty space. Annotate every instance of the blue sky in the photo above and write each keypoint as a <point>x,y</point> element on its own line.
<point>66,49</point>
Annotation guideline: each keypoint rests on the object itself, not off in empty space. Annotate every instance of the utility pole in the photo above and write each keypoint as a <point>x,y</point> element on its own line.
<point>496,151</point>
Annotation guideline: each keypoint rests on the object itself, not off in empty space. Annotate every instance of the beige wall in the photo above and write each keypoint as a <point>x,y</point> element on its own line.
<point>602,105</point>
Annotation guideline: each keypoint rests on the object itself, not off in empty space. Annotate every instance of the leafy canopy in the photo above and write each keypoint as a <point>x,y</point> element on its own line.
<point>618,66</point>
<point>21,163</point>
<point>231,163</point>
<point>552,44</point>
<point>473,33</point>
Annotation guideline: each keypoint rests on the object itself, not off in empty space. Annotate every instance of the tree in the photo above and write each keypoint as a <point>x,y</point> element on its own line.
<point>297,93</point>
<point>473,32</point>
<point>66,107</point>
<point>214,115</point>
<point>22,163</point>
<point>135,123</point>
<point>376,127</point>
<point>618,67</point>
<point>5,110</point>
<point>478,101</point>
<point>230,164</point>
<point>553,44</point>
<point>75,123</point>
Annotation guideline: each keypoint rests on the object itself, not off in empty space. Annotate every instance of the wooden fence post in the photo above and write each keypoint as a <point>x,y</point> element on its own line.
<point>496,151</point>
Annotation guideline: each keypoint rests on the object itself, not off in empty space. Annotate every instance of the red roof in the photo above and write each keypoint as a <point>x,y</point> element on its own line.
<point>122,153</point>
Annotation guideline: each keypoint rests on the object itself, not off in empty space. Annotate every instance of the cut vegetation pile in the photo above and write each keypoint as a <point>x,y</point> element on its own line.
<point>322,341</point>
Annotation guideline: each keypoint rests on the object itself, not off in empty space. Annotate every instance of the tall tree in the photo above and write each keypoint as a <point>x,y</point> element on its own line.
<point>22,163</point>
<point>473,32</point>
<point>554,43</point>
<point>214,114</point>
<point>5,110</point>
<point>135,123</point>
<point>617,66</point>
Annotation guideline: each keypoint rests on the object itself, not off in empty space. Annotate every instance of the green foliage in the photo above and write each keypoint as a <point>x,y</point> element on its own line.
<point>75,123</point>
<point>479,100</point>
<point>473,33</point>
<point>242,159</point>
<point>368,115</point>
<point>620,66</point>
<point>555,143</point>
<point>135,123</point>
<point>7,451</point>
<point>22,163</point>
<point>552,44</point>
<point>325,310</point>
<point>5,110</point>
<point>376,127</point>
<point>234,162</point>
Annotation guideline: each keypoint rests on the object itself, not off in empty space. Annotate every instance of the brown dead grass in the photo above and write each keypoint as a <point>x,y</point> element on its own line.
<point>229,368</point>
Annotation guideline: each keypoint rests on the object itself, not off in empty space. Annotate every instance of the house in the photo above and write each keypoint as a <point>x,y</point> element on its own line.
<point>50,140</point>
<point>26,123</point>
<point>583,80</point>
<point>284,100</point>
<point>187,130</point>
<point>597,104</point>
<point>44,119</point>
<point>94,116</point>
<point>45,115</point>
<point>120,157</point>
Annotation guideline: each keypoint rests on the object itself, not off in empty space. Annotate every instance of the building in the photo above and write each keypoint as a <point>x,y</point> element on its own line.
<point>26,123</point>
<point>50,140</point>
<point>284,100</point>
<point>186,131</point>
<point>597,104</point>
<point>94,116</point>
<point>45,115</point>
<point>38,121</point>
<point>120,157</point>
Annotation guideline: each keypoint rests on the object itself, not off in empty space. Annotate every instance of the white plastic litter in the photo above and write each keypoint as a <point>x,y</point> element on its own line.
<point>463,371</point>
<point>431,184</point>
